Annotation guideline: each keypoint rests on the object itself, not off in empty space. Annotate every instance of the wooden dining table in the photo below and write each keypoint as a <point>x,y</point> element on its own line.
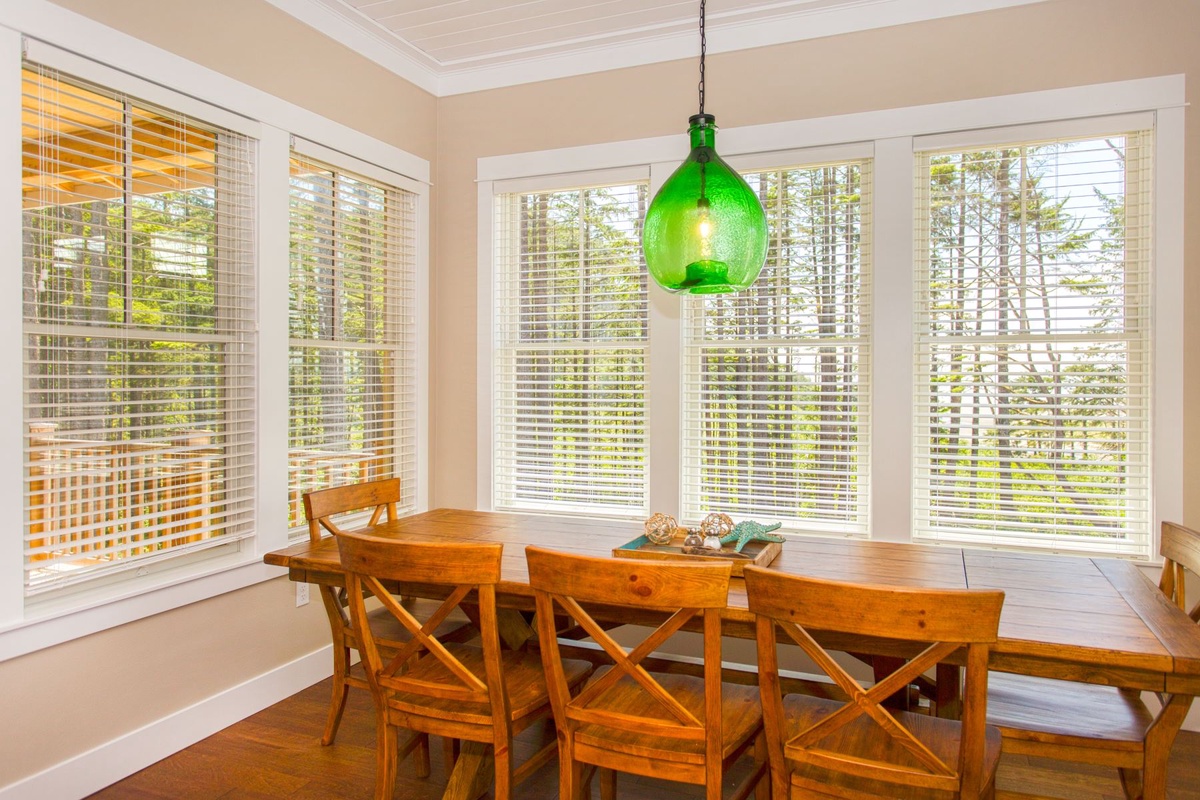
<point>1096,620</point>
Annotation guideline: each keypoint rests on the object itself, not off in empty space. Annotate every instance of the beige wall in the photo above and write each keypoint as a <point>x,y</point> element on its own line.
<point>65,700</point>
<point>62,701</point>
<point>256,43</point>
<point>1042,46</point>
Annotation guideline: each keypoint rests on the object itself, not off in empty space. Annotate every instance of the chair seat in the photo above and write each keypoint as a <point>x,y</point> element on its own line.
<point>1067,713</point>
<point>864,738</point>
<point>524,680</point>
<point>741,716</point>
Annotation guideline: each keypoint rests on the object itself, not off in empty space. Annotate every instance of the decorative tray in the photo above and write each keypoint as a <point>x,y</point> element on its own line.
<point>760,554</point>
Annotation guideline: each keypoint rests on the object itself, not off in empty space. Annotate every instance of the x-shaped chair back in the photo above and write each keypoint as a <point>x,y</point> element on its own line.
<point>940,621</point>
<point>566,583</point>
<point>461,569</point>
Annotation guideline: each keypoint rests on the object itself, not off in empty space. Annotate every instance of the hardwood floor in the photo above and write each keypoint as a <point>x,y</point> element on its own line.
<point>276,753</point>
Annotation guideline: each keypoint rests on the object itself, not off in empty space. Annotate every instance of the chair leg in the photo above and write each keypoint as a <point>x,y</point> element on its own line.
<point>502,756</point>
<point>421,755</point>
<point>762,788</point>
<point>385,758</point>
<point>714,777</point>
<point>341,690</point>
<point>608,784</point>
<point>449,754</point>
<point>1131,782</point>
<point>570,773</point>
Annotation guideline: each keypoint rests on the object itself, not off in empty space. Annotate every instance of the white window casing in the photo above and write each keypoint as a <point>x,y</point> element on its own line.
<point>1033,329</point>
<point>776,378</point>
<point>138,324</point>
<point>352,347</point>
<point>570,322</point>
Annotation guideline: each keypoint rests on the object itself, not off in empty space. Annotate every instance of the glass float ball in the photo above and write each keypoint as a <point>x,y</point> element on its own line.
<point>660,528</point>
<point>718,525</point>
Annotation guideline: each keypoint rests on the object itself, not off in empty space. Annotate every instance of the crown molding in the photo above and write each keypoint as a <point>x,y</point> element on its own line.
<point>369,40</point>
<point>785,21</point>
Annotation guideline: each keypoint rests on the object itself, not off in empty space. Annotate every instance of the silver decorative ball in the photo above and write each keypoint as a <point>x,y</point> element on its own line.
<point>660,528</point>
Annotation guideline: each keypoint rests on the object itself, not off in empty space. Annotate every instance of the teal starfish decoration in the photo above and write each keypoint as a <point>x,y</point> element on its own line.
<point>750,531</point>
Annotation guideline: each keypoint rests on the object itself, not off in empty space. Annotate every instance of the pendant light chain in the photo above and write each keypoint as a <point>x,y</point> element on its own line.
<point>702,48</point>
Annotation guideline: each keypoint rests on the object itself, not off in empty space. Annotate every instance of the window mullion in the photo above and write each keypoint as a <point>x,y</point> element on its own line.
<point>892,340</point>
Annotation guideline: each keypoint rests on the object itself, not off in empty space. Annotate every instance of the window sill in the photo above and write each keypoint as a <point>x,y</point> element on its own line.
<point>55,621</point>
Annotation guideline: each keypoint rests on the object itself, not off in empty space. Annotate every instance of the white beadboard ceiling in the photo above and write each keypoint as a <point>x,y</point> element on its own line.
<point>455,46</point>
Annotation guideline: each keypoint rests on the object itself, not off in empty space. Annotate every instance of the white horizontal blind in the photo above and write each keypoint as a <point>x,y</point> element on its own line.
<point>1032,360</point>
<point>138,324</point>
<point>351,376</point>
<point>570,364</point>
<point>776,416</point>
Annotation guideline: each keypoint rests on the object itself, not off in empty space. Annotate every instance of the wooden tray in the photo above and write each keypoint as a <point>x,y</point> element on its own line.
<point>760,554</point>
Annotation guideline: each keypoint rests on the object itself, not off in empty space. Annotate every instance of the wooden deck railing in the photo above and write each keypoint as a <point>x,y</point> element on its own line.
<point>317,469</point>
<point>116,499</point>
<point>101,501</point>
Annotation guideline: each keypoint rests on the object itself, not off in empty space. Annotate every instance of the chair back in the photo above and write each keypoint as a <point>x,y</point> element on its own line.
<point>1180,549</point>
<point>561,582</point>
<point>463,570</point>
<point>939,623</point>
<point>322,504</point>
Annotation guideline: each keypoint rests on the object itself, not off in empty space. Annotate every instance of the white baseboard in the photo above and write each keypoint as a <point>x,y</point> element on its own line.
<point>90,772</point>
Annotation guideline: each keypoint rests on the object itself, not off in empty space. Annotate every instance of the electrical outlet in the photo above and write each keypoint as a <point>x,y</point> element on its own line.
<point>301,594</point>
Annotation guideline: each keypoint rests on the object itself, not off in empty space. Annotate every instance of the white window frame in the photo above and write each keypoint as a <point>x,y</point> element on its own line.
<point>96,52</point>
<point>890,134</point>
<point>417,306</point>
<point>547,185</point>
<point>1139,342</point>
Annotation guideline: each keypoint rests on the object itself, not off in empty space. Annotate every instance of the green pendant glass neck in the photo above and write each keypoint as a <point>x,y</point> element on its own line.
<point>702,130</point>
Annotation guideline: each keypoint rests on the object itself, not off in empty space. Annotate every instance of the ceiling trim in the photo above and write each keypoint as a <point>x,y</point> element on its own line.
<point>727,33</point>
<point>365,38</point>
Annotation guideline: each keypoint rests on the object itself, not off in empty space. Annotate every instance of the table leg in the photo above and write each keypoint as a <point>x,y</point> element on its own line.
<point>949,691</point>
<point>473,772</point>
<point>1159,739</point>
<point>513,629</point>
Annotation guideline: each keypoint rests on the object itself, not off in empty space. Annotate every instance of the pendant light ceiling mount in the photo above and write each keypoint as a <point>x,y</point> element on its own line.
<point>705,230</point>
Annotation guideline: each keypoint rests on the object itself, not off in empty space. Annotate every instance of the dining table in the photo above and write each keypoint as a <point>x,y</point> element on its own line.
<point>1096,620</point>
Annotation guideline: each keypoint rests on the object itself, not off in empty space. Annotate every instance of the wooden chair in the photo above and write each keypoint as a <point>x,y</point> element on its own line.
<point>1095,724</point>
<point>319,507</point>
<point>678,727</point>
<point>821,748</point>
<point>473,693</point>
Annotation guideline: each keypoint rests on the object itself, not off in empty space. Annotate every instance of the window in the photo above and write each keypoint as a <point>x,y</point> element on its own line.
<point>1033,345</point>
<point>351,376</point>
<point>138,314</point>
<point>994,359</point>
<point>775,422</point>
<point>570,355</point>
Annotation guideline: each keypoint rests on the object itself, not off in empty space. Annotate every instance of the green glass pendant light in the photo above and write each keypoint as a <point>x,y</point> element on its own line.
<point>705,231</point>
